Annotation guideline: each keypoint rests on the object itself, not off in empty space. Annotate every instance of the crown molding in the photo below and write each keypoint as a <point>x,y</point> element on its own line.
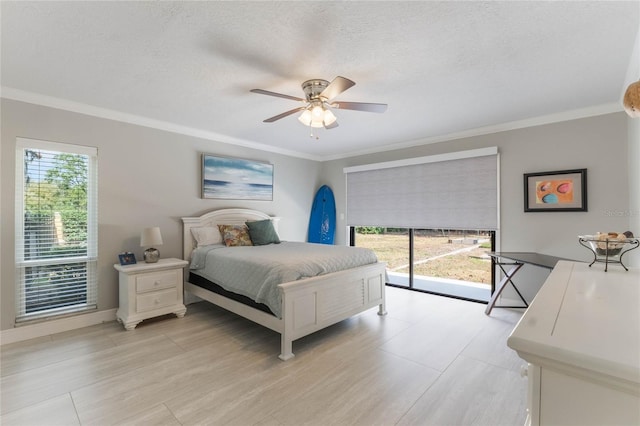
<point>80,108</point>
<point>497,128</point>
<point>67,105</point>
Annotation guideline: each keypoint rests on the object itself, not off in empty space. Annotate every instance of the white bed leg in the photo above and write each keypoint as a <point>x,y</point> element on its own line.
<point>286,346</point>
<point>381,309</point>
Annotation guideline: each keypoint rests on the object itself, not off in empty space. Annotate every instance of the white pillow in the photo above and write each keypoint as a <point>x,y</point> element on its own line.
<point>206,235</point>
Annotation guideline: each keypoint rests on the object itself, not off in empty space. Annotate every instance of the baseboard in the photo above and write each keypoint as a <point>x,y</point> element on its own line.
<point>32,331</point>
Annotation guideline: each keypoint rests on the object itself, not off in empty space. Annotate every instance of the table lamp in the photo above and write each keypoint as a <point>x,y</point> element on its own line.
<point>151,237</point>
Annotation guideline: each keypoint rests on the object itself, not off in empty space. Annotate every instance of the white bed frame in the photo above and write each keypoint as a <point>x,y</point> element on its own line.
<point>308,305</point>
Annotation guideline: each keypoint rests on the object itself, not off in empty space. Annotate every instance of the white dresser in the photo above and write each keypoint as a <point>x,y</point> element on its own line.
<point>149,290</point>
<point>581,338</point>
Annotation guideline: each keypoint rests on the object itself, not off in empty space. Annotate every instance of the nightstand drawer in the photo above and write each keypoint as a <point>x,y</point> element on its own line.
<point>156,300</point>
<point>156,281</point>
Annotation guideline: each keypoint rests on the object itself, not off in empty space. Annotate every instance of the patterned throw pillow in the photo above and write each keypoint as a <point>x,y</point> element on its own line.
<point>235,235</point>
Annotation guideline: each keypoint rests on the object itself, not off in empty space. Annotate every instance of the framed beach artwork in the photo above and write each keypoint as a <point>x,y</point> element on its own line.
<point>561,191</point>
<point>236,179</point>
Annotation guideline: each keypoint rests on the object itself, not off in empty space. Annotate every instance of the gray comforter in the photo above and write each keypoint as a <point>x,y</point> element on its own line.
<point>256,271</point>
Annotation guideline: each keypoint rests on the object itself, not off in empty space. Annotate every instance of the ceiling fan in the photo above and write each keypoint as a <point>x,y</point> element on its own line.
<point>318,102</point>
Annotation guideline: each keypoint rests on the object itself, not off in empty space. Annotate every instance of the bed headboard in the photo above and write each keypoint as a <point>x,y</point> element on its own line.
<point>219,217</point>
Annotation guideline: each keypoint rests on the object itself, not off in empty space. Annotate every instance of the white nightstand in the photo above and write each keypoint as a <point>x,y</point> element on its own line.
<point>149,290</point>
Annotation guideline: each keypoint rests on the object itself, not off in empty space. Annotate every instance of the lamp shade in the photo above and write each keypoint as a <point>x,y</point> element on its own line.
<point>151,237</point>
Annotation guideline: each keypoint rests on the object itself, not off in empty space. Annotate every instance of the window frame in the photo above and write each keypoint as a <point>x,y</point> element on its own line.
<point>352,241</point>
<point>90,259</point>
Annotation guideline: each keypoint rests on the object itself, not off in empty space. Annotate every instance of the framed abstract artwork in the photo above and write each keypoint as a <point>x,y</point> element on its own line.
<point>236,179</point>
<point>561,191</point>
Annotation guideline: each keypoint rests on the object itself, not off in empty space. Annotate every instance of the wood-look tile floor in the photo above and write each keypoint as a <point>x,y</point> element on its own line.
<point>431,361</point>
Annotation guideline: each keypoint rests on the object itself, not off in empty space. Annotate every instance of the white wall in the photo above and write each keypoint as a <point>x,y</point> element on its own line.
<point>151,177</point>
<point>147,177</point>
<point>633,74</point>
<point>598,144</point>
<point>634,185</point>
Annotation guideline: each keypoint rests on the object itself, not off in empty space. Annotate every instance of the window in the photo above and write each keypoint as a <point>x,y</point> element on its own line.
<point>439,261</point>
<point>431,217</point>
<point>56,229</point>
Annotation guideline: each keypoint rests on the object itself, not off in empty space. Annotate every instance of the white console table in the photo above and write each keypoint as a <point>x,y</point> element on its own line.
<point>581,338</point>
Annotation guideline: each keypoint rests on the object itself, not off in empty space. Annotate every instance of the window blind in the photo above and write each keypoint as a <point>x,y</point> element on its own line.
<point>56,228</point>
<point>453,191</point>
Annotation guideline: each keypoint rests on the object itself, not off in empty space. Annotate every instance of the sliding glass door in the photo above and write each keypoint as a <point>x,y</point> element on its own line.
<point>447,262</point>
<point>392,246</point>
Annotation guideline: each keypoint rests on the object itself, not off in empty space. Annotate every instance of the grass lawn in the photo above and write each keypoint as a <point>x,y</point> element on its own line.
<point>472,265</point>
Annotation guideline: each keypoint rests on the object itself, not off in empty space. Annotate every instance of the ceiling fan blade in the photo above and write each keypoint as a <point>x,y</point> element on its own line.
<point>337,86</point>
<point>279,95</point>
<point>360,106</point>
<point>332,125</point>
<point>284,114</point>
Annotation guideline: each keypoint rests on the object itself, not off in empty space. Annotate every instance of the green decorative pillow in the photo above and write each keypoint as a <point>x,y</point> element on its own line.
<point>235,235</point>
<point>262,232</point>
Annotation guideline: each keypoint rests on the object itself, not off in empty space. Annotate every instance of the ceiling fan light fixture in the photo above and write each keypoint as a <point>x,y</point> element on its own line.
<point>317,123</point>
<point>329,118</point>
<point>317,115</point>
<point>317,111</point>
<point>305,117</point>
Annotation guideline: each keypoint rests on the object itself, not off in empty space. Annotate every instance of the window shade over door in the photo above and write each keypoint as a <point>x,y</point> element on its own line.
<point>452,191</point>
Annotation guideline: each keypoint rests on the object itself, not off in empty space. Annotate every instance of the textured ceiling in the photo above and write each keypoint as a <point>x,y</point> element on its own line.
<point>444,68</point>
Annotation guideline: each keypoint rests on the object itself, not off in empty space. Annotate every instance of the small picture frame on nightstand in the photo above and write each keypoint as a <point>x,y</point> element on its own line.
<point>127,258</point>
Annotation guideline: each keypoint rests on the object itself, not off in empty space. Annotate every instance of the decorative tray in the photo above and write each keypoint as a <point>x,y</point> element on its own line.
<point>608,248</point>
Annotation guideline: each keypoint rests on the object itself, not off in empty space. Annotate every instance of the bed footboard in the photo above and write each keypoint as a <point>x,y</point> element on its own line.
<point>321,301</point>
<point>312,304</point>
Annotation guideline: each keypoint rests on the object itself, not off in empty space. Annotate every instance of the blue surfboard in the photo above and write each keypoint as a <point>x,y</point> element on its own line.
<point>322,222</point>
